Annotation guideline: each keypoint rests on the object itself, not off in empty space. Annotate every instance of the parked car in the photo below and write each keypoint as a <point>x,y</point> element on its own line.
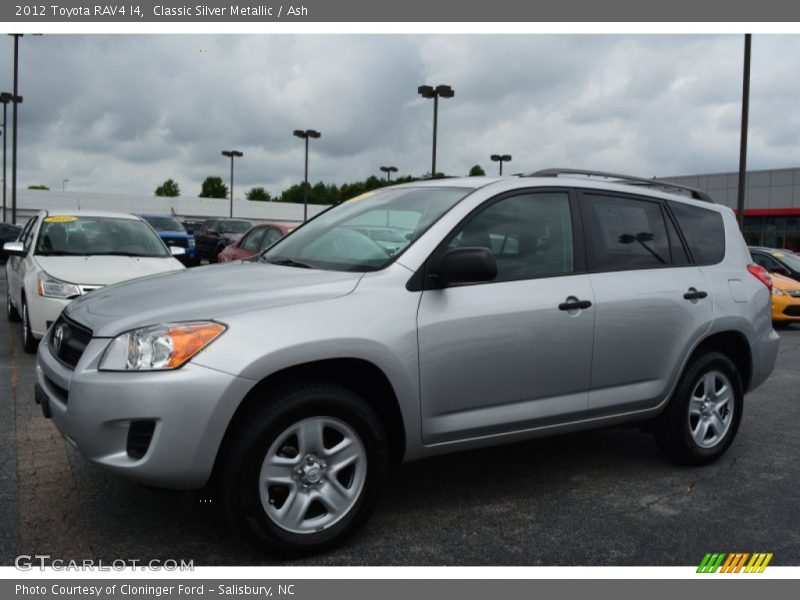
<point>216,234</point>
<point>519,307</point>
<point>61,256</point>
<point>192,225</point>
<point>173,233</point>
<point>8,233</point>
<point>782,262</point>
<point>785,299</point>
<point>257,239</point>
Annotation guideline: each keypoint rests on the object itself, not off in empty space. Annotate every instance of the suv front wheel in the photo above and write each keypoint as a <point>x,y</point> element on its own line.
<point>304,472</point>
<point>704,413</point>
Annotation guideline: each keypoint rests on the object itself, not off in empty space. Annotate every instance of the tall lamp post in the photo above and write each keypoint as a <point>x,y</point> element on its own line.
<point>5,98</point>
<point>440,91</point>
<point>743,132</point>
<point>16,99</point>
<point>389,171</point>
<point>232,154</point>
<point>64,183</point>
<point>306,135</point>
<point>501,158</point>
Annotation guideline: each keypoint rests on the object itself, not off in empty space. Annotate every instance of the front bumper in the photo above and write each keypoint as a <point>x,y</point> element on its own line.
<point>190,409</point>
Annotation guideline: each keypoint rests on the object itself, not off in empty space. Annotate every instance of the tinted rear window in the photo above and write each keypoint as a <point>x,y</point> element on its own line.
<point>703,230</point>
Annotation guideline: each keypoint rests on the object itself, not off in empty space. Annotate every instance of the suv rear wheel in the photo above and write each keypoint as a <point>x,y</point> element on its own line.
<point>704,413</point>
<point>304,472</point>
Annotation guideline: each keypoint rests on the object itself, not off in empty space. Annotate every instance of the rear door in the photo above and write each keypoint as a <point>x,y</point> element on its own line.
<point>651,303</point>
<point>510,354</point>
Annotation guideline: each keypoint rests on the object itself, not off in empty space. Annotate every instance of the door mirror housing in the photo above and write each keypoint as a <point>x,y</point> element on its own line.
<point>14,249</point>
<point>466,265</point>
<point>177,251</point>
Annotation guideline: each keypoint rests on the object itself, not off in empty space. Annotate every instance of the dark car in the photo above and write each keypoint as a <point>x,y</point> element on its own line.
<point>782,262</point>
<point>218,233</point>
<point>259,238</point>
<point>173,233</point>
<point>8,233</point>
<point>192,225</point>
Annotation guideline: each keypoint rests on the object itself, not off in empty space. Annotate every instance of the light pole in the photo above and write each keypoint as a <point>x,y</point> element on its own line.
<point>232,154</point>
<point>743,132</point>
<point>64,183</point>
<point>389,171</point>
<point>427,91</point>
<point>5,98</point>
<point>501,158</point>
<point>306,135</point>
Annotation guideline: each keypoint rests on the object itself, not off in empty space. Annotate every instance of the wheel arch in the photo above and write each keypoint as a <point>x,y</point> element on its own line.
<point>358,375</point>
<point>735,346</point>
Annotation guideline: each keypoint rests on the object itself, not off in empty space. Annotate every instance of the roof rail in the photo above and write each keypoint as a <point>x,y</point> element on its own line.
<point>630,179</point>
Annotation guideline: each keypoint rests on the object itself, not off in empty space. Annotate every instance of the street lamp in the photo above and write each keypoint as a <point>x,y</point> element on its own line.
<point>389,171</point>
<point>232,154</point>
<point>427,91</point>
<point>501,158</point>
<point>5,98</point>
<point>16,99</point>
<point>64,183</point>
<point>305,135</point>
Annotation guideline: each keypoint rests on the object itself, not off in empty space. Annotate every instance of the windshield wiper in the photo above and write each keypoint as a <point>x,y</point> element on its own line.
<point>288,262</point>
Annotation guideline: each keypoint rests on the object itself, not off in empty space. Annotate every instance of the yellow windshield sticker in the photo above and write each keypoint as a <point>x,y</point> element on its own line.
<point>363,196</point>
<point>60,219</point>
<point>777,254</point>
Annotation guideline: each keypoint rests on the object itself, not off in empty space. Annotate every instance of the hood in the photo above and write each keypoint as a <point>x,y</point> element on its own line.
<point>785,284</point>
<point>201,293</point>
<point>104,270</point>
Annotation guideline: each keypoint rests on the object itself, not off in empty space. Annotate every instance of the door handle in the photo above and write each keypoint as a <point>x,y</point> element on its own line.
<point>694,294</point>
<point>572,303</point>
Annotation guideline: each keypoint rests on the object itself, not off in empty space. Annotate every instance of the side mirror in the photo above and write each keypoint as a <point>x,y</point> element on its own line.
<point>466,265</point>
<point>14,249</point>
<point>177,251</point>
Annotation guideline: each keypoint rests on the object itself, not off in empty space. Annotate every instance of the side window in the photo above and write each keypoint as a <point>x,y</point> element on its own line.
<point>770,264</point>
<point>209,225</point>
<point>676,247</point>
<point>625,233</point>
<point>27,236</point>
<point>530,235</point>
<point>252,242</point>
<point>703,230</point>
<point>273,235</point>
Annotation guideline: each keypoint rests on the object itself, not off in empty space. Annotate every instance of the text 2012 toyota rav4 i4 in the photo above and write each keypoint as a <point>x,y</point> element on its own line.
<point>519,307</point>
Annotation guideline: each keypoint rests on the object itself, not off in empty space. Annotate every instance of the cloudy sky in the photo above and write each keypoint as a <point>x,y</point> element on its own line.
<point>123,113</point>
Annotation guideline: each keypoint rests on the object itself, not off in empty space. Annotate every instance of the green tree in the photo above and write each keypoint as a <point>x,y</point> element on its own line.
<point>214,188</point>
<point>258,193</point>
<point>168,189</point>
<point>38,186</point>
<point>477,171</point>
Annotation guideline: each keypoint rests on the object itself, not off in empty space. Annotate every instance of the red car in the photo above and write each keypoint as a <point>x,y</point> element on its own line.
<point>256,239</point>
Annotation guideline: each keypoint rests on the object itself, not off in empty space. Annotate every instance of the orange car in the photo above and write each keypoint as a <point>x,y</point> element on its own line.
<point>785,298</point>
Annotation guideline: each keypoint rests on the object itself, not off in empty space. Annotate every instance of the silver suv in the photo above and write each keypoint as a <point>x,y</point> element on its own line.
<point>514,307</point>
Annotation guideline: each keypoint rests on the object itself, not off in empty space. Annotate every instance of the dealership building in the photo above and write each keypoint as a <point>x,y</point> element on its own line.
<point>772,203</point>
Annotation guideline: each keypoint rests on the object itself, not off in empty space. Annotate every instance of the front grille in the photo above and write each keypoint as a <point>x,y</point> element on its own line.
<point>182,242</point>
<point>140,434</point>
<point>68,340</point>
<point>792,311</point>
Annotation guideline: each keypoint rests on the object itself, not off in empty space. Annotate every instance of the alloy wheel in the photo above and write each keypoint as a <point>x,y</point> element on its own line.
<point>711,409</point>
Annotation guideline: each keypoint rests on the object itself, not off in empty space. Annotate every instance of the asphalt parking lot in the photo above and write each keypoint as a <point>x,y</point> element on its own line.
<point>606,497</point>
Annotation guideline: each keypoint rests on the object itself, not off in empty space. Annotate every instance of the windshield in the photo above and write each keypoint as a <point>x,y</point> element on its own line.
<point>339,239</point>
<point>165,224</point>
<point>790,259</point>
<point>233,226</point>
<point>90,236</point>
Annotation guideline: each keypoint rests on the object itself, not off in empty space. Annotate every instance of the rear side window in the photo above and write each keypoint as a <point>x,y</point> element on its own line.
<point>625,233</point>
<point>703,230</point>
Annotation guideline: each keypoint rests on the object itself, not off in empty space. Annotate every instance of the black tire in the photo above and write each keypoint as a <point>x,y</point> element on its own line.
<point>238,483</point>
<point>29,343</point>
<point>673,429</point>
<point>11,313</point>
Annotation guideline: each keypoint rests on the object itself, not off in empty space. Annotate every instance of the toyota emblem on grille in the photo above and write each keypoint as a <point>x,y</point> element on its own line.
<point>58,337</point>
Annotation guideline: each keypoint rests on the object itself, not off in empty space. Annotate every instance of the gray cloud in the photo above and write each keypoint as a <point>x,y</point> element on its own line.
<point>123,113</point>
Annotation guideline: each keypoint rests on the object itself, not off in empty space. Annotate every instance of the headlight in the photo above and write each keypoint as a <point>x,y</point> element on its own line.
<point>191,243</point>
<point>159,347</point>
<point>50,287</point>
<point>777,292</point>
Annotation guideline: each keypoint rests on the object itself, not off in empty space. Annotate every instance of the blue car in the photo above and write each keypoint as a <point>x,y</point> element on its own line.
<point>172,231</point>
